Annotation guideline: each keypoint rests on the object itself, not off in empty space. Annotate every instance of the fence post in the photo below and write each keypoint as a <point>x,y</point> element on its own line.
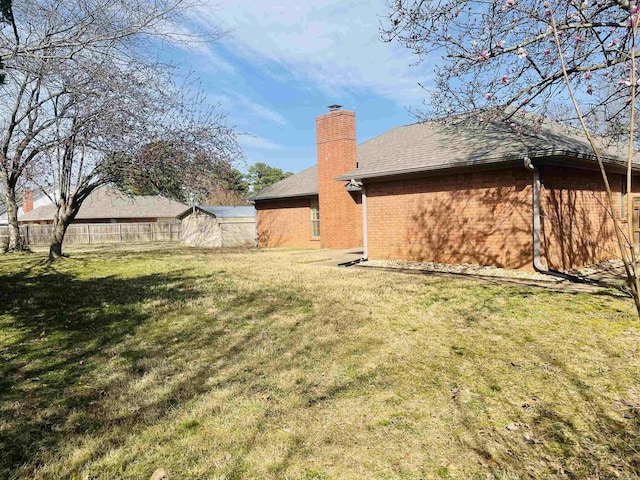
<point>152,231</point>
<point>27,235</point>
<point>120,229</point>
<point>89,233</point>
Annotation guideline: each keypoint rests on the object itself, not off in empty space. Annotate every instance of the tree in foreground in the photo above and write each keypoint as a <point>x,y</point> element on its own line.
<point>262,175</point>
<point>573,61</point>
<point>85,88</point>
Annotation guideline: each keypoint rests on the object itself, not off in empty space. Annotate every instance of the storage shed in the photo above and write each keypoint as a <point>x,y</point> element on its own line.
<point>218,226</point>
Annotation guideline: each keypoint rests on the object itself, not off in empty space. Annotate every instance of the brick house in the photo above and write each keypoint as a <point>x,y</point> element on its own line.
<point>450,192</point>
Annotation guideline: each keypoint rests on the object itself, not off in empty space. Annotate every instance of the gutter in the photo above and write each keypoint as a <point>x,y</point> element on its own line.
<point>365,237</point>
<point>282,197</point>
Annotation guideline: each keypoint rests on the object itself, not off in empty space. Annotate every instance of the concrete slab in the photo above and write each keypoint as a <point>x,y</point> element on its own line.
<point>332,258</point>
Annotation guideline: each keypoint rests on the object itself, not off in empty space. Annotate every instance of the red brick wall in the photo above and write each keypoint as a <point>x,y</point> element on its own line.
<point>485,218</point>
<point>577,228</point>
<point>340,212</point>
<point>481,218</point>
<point>285,223</point>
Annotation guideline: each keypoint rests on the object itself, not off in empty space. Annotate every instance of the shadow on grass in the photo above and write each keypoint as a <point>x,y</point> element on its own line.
<point>62,331</point>
<point>59,328</point>
<point>577,434</point>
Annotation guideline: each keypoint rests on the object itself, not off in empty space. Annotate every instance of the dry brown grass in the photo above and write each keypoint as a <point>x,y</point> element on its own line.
<point>252,364</point>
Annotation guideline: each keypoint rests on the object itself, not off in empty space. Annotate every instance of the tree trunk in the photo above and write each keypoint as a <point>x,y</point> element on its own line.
<point>15,241</point>
<point>61,221</point>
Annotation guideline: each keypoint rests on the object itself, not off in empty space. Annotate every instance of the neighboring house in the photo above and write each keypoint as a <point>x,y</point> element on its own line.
<point>449,192</point>
<point>218,226</point>
<point>107,205</point>
<point>29,199</point>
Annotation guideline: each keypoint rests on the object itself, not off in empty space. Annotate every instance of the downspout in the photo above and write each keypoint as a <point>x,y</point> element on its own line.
<point>256,230</point>
<point>537,227</point>
<point>365,235</point>
<point>365,248</point>
<point>537,184</point>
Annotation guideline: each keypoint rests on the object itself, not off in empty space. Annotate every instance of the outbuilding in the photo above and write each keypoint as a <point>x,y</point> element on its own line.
<point>218,226</point>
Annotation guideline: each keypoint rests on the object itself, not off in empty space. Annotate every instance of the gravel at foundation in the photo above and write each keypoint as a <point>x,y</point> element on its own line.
<point>465,268</point>
<point>608,266</point>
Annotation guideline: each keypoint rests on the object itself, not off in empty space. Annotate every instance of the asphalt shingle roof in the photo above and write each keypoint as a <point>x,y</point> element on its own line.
<point>302,184</point>
<point>437,145</point>
<point>108,203</point>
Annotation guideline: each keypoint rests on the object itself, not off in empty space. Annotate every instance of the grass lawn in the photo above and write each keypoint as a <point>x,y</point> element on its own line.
<point>120,360</point>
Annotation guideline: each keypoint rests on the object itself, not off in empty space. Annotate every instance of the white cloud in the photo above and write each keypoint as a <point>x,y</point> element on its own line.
<point>196,38</point>
<point>333,44</point>
<point>258,143</point>
<point>260,111</point>
<point>243,106</point>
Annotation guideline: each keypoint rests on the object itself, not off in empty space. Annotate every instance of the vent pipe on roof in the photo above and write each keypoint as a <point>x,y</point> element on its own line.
<point>334,107</point>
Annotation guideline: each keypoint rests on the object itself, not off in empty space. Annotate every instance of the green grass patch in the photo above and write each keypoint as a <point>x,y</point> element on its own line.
<point>249,364</point>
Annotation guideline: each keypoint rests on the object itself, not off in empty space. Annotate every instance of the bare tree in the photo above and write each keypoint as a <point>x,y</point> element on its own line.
<point>115,108</point>
<point>571,60</point>
<point>47,40</point>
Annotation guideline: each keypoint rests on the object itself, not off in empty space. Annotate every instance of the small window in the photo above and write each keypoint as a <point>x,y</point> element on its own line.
<point>315,218</point>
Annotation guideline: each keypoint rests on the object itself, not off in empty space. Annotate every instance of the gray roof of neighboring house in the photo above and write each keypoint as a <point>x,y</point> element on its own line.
<point>220,211</point>
<point>441,145</point>
<point>108,203</point>
<point>302,184</point>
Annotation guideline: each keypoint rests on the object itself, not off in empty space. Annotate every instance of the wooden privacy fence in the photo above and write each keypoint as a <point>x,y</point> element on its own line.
<point>87,233</point>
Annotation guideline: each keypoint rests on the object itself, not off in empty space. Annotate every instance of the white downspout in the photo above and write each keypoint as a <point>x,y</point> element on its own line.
<point>365,236</point>
<point>537,259</point>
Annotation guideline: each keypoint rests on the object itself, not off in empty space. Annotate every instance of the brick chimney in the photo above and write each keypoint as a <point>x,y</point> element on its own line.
<point>340,211</point>
<point>27,200</point>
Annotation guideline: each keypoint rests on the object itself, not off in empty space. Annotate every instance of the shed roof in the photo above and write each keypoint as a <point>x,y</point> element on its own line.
<point>222,211</point>
<point>110,203</point>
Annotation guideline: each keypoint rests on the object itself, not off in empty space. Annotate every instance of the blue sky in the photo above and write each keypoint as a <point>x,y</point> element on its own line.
<point>283,61</point>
